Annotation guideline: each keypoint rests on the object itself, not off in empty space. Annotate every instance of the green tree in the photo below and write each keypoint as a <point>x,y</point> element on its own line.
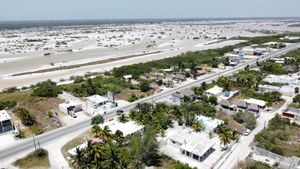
<point>145,86</point>
<point>98,119</point>
<point>46,89</point>
<point>213,100</point>
<point>150,154</point>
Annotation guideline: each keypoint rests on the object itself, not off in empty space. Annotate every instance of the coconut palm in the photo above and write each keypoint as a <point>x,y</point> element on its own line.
<point>107,133</point>
<point>119,137</point>
<point>225,138</point>
<point>123,118</point>
<point>78,160</point>
<point>113,158</point>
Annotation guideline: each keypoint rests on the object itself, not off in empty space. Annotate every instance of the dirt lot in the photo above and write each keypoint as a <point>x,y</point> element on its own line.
<point>231,122</point>
<point>37,106</point>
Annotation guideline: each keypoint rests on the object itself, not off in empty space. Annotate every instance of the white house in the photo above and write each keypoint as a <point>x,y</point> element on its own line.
<point>192,144</point>
<point>127,128</point>
<point>215,91</point>
<point>6,124</point>
<point>96,104</point>
<point>70,108</point>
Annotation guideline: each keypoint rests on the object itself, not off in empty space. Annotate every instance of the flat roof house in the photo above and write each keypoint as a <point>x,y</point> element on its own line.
<point>95,104</point>
<point>127,128</point>
<point>70,108</point>
<point>215,91</point>
<point>6,124</point>
<point>194,145</point>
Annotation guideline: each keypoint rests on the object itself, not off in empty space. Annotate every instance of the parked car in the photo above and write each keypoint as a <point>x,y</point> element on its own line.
<point>247,132</point>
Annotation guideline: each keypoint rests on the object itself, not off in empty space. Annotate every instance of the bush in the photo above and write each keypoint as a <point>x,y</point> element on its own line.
<point>7,105</point>
<point>50,114</point>
<point>213,100</point>
<point>98,119</point>
<point>26,118</point>
<point>296,99</point>
<point>78,79</point>
<point>46,89</point>
<point>40,152</point>
<point>10,90</point>
<point>145,86</point>
<point>132,98</point>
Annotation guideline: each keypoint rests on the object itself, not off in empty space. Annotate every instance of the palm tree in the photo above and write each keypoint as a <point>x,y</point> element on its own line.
<point>113,158</point>
<point>123,118</point>
<point>107,133</point>
<point>97,152</point>
<point>197,126</point>
<point>119,136</point>
<point>78,160</point>
<point>97,131</point>
<point>225,138</point>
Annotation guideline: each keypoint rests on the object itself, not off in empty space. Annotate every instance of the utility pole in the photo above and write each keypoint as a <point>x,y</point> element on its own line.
<point>33,139</point>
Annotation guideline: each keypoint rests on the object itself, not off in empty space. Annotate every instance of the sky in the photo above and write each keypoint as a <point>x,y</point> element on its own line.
<point>145,9</point>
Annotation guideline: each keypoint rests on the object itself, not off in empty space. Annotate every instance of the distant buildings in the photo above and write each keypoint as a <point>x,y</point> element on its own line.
<point>6,123</point>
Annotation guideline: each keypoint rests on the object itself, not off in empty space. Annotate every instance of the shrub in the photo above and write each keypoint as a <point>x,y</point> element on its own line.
<point>50,114</point>
<point>46,89</point>
<point>132,98</point>
<point>145,86</point>
<point>78,79</point>
<point>40,152</point>
<point>97,119</point>
<point>26,118</point>
<point>7,105</point>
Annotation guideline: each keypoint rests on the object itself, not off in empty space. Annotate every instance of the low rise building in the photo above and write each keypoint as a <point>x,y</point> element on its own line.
<point>6,123</point>
<point>127,128</point>
<point>189,93</point>
<point>215,91</point>
<point>70,108</point>
<point>197,146</point>
<point>292,113</point>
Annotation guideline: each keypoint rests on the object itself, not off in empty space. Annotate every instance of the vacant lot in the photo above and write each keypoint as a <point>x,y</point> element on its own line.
<point>37,106</point>
<point>281,137</point>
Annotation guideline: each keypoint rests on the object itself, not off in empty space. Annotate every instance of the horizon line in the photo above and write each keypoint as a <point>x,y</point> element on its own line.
<point>120,19</point>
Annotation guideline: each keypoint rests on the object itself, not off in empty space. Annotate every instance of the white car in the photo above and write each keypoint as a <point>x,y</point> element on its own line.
<point>247,132</point>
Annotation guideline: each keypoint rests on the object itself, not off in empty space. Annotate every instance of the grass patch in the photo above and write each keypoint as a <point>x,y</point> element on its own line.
<point>32,160</point>
<point>37,106</point>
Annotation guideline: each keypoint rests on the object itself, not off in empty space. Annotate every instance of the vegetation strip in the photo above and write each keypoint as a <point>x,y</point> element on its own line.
<point>85,64</point>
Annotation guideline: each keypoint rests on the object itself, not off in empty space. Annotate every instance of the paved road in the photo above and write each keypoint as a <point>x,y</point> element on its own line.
<point>26,145</point>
